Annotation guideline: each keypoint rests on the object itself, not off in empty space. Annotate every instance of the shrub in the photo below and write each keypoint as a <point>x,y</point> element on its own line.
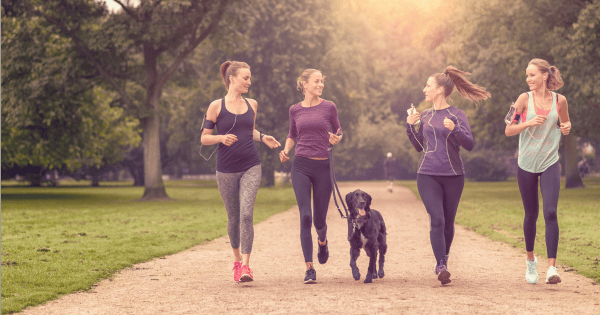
<point>486,169</point>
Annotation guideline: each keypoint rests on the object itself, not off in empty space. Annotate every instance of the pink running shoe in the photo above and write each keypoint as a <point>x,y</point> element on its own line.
<point>237,270</point>
<point>246,274</point>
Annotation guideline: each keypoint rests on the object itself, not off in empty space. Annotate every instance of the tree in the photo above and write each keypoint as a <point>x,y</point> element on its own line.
<point>497,46</point>
<point>52,116</point>
<point>582,55</point>
<point>136,51</point>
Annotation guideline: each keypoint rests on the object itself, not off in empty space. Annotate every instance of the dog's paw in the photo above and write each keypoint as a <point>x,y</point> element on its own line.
<point>374,274</point>
<point>381,274</point>
<point>368,280</point>
<point>356,274</point>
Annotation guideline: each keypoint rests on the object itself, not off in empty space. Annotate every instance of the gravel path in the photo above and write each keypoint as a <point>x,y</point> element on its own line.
<point>487,277</point>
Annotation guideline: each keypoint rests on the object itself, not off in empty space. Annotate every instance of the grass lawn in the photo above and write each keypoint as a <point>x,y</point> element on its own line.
<point>495,209</point>
<point>59,240</point>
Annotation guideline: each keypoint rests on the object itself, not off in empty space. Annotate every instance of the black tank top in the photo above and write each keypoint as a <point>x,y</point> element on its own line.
<point>242,155</point>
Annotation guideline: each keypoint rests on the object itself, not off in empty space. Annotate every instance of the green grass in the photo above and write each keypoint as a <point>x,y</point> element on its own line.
<point>494,209</point>
<point>59,240</point>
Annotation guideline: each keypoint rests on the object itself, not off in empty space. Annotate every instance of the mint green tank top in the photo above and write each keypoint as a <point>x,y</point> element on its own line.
<point>538,145</point>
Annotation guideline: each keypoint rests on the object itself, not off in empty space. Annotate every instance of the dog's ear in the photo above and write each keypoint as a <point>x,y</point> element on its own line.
<point>349,199</point>
<point>368,200</point>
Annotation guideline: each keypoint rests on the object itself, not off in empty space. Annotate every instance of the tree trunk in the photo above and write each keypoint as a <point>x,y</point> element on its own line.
<point>571,170</point>
<point>138,175</point>
<point>95,172</point>
<point>153,183</point>
<point>95,180</point>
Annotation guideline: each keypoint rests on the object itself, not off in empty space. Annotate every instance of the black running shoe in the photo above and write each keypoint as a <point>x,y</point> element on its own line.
<point>311,276</point>
<point>323,253</point>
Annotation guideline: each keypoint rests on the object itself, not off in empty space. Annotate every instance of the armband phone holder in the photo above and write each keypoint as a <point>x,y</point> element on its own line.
<point>512,115</point>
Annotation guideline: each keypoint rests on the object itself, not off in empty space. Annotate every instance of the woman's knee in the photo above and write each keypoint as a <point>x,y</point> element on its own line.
<point>437,222</point>
<point>247,218</point>
<point>550,216</point>
<point>305,221</point>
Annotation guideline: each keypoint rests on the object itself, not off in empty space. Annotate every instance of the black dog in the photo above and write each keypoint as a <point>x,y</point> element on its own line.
<point>366,229</point>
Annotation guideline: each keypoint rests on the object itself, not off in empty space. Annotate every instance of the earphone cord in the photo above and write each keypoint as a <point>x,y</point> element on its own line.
<point>528,131</point>
<point>200,150</point>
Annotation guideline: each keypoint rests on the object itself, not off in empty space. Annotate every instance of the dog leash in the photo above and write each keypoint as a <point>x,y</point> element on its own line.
<point>334,186</point>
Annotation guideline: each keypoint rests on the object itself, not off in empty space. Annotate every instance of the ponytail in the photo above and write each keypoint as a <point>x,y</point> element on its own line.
<point>454,77</point>
<point>554,81</point>
<point>230,68</point>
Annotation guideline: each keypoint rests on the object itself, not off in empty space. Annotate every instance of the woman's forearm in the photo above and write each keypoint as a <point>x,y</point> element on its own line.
<point>289,144</point>
<point>210,139</point>
<point>256,135</point>
<point>512,130</point>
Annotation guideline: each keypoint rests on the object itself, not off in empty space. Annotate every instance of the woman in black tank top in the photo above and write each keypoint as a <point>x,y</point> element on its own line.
<point>238,163</point>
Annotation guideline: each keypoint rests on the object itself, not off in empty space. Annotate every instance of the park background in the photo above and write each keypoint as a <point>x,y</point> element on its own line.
<point>112,93</point>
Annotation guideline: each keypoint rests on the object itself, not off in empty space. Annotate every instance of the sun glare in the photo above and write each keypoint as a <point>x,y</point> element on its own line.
<point>114,6</point>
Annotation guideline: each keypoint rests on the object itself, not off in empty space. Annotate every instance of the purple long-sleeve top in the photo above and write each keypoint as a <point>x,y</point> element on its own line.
<point>439,145</point>
<point>309,128</point>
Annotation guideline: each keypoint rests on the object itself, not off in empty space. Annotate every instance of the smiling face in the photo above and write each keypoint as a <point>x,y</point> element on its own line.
<point>241,82</point>
<point>535,78</point>
<point>315,84</point>
<point>432,90</point>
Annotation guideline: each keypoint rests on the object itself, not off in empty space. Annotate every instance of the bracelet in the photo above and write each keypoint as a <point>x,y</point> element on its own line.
<point>261,136</point>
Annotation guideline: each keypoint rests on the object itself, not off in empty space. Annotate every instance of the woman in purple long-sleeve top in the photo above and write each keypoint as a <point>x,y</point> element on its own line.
<point>310,121</point>
<point>439,132</point>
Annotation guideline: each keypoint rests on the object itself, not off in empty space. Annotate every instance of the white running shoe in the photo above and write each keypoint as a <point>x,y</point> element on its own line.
<point>552,276</point>
<point>531,274</point>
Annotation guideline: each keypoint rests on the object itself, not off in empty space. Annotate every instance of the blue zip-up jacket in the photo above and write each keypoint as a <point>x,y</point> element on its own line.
<point>439,145</point>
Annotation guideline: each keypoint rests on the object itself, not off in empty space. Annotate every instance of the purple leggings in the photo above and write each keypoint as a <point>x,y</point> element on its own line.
<point>549,181</point>
<point>441,195</point>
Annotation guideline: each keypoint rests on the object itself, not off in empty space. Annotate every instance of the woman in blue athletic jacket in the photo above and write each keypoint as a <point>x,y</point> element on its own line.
<point>439,132</point>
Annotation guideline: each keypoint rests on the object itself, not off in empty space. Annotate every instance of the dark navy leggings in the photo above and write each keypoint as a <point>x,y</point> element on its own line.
<point>307,175</point>
<point>440,195</point>
<point>549,181</point>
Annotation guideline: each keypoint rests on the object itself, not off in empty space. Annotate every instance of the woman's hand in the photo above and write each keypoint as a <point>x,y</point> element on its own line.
<point>565,128</point>
<point>228,140</point>
<point>414,117</point>
<point>448,123</point>
<point>283,156</point>
<point>536,121</point>
<point>271,142</point>
<point>334,139</point>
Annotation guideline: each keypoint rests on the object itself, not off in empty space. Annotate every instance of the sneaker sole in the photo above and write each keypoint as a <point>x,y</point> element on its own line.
<point>534,282</point>
<point>444,277</point>
<point>246,278</point>
<point>310,281</point>
<point>553,280</point>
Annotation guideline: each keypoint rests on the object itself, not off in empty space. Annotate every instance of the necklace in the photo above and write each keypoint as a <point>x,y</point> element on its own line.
<point>541,105</point>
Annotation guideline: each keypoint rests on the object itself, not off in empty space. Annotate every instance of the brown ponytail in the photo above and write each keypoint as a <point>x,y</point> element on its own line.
<point>304,78</point>
<point>454,77</point>
<point>554,81</point>
<point>229,68</point>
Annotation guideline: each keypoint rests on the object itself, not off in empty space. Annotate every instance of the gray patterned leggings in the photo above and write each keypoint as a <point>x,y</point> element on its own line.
<point>238,191</point>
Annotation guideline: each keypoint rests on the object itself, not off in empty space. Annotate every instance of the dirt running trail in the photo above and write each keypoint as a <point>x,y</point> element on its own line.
<point>487,277</point>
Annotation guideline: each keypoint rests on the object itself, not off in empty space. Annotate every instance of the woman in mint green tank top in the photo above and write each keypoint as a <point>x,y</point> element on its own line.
<point>536,122</point>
